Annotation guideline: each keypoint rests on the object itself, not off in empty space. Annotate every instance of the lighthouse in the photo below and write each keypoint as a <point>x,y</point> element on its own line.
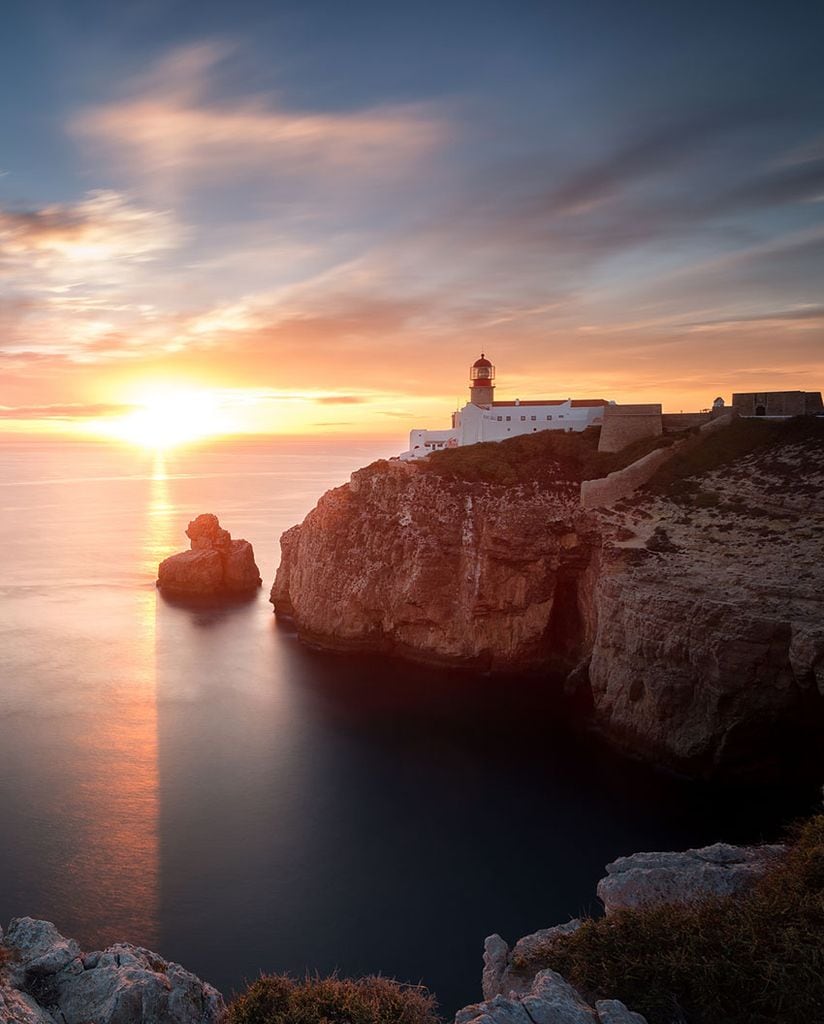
<point>484,419</point>
<point>482,382</point>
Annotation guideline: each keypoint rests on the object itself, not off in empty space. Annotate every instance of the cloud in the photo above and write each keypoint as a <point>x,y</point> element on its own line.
<point>169,123</point>
<point>102,227</point>
<point>769,316</point>
<point>75,274</point>
<point>70,411</point>
<point>340,400</point>
<point>656,149</point>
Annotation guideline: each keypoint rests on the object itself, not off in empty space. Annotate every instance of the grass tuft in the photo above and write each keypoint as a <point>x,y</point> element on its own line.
<point>755,958</point>
<point>280,999</point>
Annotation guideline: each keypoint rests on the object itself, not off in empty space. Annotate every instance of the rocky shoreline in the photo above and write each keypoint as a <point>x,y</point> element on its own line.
<point>46,978</point>
<point>689,616</point>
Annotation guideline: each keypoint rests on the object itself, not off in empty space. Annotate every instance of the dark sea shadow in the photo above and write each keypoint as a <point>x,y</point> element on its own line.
<point>321,811</point>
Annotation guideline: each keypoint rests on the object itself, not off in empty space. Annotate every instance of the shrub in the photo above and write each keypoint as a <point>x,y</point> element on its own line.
<point>547,457</point>
<point>755,958</point>
<point>280,999</point>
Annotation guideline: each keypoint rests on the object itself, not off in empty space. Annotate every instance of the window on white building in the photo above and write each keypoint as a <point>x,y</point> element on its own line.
<point>508,419</point>
<point>523,419</point>
<point>500,418</point>
<point>532,418</point>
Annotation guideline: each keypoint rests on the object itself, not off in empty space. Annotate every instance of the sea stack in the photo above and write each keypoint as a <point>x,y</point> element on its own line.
<point>215,566</point>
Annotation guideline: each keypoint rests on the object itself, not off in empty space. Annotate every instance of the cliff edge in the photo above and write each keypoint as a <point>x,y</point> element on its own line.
<point>690,613</point>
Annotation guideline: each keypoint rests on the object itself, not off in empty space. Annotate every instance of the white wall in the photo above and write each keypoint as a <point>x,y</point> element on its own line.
<point>496,423</point>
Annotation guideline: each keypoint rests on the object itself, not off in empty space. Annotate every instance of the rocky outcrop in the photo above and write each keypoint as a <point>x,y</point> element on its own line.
<point>502,973</point>
<point>515,980</point>
<point>49,980</point>
<point>692,619</point>
<point>215,565</point>
<point>549,1000</point>
<point>717,870</point>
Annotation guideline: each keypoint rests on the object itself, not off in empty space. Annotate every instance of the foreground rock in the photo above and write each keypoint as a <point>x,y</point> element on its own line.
<point>502,974</point>
<point>215,566</point>
<point>48,980</point>
<point>691,620</point>
<point>717,870</point>
<point>512,977</point>
<point>549,1000</point>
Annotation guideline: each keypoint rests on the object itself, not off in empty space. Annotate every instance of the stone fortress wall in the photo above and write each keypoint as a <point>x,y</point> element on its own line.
<point>672,422</point>
<point>778,403</point>
<point>626,424</point>
<point>623,482</point>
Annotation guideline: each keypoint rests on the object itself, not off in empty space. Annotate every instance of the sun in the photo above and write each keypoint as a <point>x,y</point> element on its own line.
<point>169,417</point>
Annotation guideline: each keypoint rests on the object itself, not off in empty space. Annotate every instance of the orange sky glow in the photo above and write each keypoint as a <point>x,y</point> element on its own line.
<point>236,263</point>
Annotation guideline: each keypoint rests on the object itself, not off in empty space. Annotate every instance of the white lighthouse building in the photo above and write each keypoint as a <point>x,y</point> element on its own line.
<point>484,419</point>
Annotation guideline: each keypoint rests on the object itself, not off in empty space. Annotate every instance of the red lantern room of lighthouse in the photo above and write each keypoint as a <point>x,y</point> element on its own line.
<point>482,382</point>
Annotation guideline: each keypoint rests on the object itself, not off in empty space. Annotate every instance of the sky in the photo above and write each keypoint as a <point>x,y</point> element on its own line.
<point>312,216</point>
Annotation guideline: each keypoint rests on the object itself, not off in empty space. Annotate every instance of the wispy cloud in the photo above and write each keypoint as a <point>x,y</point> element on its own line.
<point>103,227</point>
<point>766,317</point>
<point>70,411</point>
<point>76,273</point>
<point>167,123</point>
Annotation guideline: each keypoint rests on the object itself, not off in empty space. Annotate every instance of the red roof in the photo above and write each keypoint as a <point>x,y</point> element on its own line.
<point>483,361</point>
<point>548,401</point>
<point>576,403</point>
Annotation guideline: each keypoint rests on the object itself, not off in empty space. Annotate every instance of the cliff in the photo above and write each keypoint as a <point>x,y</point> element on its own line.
<point>406,562</point>
<point>690,611</point>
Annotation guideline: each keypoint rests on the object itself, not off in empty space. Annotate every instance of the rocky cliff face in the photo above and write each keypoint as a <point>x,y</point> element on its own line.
<point>694,619</point>
<point>403,561</point>
<point>709,646</point>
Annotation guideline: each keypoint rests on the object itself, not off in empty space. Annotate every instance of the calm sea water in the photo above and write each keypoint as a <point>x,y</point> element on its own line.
<point>198,782</point>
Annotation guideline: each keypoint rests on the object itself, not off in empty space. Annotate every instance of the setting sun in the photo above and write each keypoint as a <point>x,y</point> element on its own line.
<point>170,417</point>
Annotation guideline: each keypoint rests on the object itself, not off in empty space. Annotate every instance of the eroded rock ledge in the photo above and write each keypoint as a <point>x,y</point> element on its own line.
<point>693,619</point>
<point>49,980</point>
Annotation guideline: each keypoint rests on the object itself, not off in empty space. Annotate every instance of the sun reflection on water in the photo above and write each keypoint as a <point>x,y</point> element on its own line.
<point>162,529</point>
<point>114,868</point>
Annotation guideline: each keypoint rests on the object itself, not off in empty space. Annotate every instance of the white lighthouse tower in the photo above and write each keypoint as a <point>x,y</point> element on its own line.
<point>482,382</point>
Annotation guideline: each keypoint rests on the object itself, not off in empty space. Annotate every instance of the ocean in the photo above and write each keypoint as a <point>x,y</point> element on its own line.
<point>199,782</point>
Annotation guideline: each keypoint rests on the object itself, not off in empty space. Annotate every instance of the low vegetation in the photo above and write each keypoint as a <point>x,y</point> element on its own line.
<point>550,457</point>
<point>546,457</point>
<point>741,438</point>
<point>280,999</point>
<point>757,958</point>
